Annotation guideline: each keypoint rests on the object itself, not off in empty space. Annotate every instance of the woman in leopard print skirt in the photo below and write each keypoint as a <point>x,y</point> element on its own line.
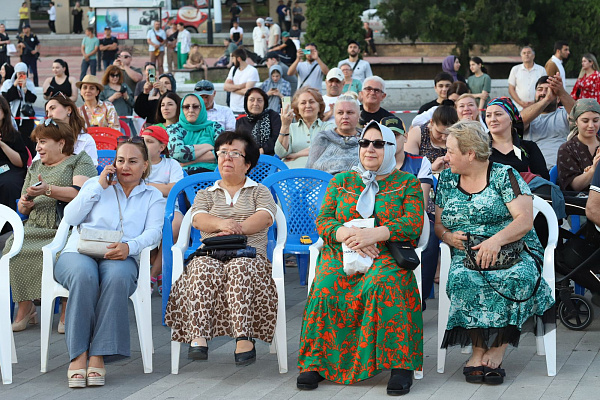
<point>237,298</point>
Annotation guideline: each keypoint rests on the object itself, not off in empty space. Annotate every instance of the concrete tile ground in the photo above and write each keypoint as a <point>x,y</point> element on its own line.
<point>578,366</point>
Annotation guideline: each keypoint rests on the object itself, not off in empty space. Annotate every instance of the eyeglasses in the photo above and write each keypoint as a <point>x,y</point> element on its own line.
<point>133,140</point>
<point>115,75</point>
<point>372,90</point>
<point>192,106</point>
<point>49,121</point>
<point>59,94</point>
<point>232,154</point>
<point>378,144</point>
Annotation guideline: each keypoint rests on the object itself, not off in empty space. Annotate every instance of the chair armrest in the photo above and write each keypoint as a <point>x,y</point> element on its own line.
<point>277,264</point>
<point>50,250</point>
<point>181,246</point>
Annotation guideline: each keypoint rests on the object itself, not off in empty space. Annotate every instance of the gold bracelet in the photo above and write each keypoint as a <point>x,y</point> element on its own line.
<point>442,238</point>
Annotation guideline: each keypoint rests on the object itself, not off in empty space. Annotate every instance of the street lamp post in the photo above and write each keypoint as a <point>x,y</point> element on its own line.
<point>209,27</point>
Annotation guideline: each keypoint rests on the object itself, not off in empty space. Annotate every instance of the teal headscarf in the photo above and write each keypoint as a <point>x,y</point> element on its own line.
<point>201,124</point>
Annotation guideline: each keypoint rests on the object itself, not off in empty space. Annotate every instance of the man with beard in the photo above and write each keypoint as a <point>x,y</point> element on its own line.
<point>555,63</point>
<point>241,77</point>
<point>311,71</point>
<point>548,123</point>
<point>361,69</point>
<point>215,112</point>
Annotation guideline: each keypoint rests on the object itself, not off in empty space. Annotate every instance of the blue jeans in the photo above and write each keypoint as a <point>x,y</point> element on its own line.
<point>97,313</point>
<point>84,67</point>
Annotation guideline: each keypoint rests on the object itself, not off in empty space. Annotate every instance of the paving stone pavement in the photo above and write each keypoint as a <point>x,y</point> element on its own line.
<point>578,365</point>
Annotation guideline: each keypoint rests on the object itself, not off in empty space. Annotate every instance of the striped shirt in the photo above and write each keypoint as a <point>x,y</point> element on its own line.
<point>252,197</point>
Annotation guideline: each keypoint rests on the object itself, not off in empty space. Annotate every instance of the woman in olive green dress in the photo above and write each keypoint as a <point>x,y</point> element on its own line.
<point>58,175</point>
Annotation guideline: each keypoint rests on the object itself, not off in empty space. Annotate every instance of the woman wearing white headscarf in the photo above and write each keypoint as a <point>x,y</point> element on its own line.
<point>19,91</point>
<point>260,34</point>
<point>354,326</point>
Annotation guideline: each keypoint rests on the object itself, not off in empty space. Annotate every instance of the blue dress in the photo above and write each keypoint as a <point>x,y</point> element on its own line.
<point>473,303</point>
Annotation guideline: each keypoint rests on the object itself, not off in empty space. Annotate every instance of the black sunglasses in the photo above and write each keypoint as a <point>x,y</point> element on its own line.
<point>49,121</point>
<point>378,144</point>
<point>127,139</point>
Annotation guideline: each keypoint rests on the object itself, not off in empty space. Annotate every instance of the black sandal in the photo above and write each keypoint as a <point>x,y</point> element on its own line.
<point>400,382</point>
<point>473,374</point>
<point>493,376</point>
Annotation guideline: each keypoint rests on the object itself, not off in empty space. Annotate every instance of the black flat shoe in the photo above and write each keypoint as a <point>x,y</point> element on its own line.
<point>247,357</point>
<point>199,353</point>
<point>308,380</point>
<point>400,382</point>
<point>473,374</point>
<point>493,376</point>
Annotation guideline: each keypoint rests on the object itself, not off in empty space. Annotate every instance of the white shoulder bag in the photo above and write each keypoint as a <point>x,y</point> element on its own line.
<point>93,242</point>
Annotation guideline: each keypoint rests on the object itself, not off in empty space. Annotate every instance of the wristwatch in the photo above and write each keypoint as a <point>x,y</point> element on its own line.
<point>49,190</point>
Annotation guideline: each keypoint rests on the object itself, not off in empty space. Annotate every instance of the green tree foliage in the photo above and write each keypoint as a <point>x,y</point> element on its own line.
<point>331,24</point>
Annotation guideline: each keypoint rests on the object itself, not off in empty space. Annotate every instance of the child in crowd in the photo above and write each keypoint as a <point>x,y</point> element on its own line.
<point>441,82</point>
<point>164,173</point>
<point>196,61</point>
<point>276,88</point>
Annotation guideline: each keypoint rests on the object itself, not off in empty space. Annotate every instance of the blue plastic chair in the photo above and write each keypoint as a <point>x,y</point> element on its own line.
<point>187,187</point>
<point>300,192</point>
<point>105,157</point>
<point>554,175</point>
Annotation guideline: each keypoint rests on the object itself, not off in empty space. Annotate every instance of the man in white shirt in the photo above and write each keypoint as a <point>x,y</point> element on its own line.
<point>156,39</point>
<point>241,77</point>
<point>361,69</point>
<point>274,33</point>
<point>215,112</point>
<point>555,63</point>
<point>334,83</point>
<point>522,79</point>
<point>311,71</point>
<point>236,33</point>
<point>184,44</point>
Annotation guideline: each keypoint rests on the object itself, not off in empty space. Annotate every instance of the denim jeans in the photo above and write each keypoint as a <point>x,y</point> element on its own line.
<point>97,313</point>
<point>84,67</point>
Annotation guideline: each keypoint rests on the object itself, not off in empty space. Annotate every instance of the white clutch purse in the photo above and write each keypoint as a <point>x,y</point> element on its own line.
<point>93,242</point>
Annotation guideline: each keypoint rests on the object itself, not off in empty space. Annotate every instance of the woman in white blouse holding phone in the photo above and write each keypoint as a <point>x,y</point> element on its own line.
<point>96,321</point>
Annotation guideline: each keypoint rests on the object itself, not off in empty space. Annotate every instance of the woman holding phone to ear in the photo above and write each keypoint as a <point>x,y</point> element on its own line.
<point>58,174</point>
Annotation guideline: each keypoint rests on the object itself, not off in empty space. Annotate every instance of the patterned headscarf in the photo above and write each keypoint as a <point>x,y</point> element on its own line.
<point>512,111</point>
<point>262,122</point>
<point>448,66</point>
<point>366,201</point>
<point>581,106</point>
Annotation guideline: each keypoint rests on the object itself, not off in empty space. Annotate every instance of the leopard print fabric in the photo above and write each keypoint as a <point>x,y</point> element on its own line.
<point>212,298</point>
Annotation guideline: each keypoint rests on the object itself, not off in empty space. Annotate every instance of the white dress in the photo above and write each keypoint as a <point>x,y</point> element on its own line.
<point>260,42</point>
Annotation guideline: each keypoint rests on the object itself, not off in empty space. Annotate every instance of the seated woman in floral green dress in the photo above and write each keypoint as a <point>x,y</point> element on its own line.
<point>357,325</point>
<point>480,197</point>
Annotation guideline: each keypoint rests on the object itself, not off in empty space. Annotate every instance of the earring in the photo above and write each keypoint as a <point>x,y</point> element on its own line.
<point>68,114</point>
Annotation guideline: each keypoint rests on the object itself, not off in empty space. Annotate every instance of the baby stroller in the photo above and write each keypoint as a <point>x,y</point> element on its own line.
<point>577,258</point>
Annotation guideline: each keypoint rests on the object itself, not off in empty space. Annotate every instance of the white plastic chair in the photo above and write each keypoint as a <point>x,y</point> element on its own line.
<point>546,345</point>
<point>8,353</point>
<point>52,289</point>
<point>279,344</point>
<point>315,249</point>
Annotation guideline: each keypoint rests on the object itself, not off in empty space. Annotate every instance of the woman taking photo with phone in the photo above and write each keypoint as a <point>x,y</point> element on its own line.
<point>50,183</point>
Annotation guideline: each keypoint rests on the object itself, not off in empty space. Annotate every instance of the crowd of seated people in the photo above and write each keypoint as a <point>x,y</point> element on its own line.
<point>486,174</point>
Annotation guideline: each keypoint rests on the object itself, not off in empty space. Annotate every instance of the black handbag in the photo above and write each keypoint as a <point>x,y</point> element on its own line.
<point>227,242</point>
<point>405,255</point>
<point>224,248</point>
<point>27,110</point>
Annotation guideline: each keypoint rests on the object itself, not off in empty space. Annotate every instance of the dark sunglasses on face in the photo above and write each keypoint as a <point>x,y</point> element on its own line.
<point>192,106</point>
<point>378,144</point>
<point>115,75</point>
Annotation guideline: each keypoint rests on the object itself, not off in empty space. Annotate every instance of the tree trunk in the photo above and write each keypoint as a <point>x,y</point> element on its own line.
<point>253,7</point>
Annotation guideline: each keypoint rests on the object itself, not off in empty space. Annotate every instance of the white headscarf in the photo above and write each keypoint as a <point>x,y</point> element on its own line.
<point>260,21</point>
<point>366,201</point>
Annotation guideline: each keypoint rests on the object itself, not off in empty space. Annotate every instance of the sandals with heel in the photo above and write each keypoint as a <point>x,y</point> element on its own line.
<point>76,382</point>
<point>96,380</point>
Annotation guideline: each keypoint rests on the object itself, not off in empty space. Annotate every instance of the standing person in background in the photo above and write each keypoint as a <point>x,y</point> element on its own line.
<point>77,13</point>
<point>451,65</point>
<point>480,82</point>
<point>236,34</point>
<point>361,69</point>
<point>369,39</point>
<point>89,49</point>
<point>23,16</point>
<point>555,64</point>
<point>61,82</point>
<point>522,79</point>
<point>4,42</point>
<point>274,33</point>
<point>108,46</point>
<point>184,43</point>
<point>259,36</point>
<point>240,79</point>
<point>91,14</point>
<point>235,12</point>
<point>30,48</point>
<point>588,82</point>
<point>52,18</point>
<point>281,12</point>
<point>132,74</point>
<point>298,15</point>
<point>171,45</point>
<point>156,45</point>
<point>311,71</point>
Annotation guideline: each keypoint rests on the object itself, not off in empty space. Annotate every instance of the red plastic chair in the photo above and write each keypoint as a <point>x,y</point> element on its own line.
<point>125,128</point>
<point>104,131</point>
<point>105,142</point>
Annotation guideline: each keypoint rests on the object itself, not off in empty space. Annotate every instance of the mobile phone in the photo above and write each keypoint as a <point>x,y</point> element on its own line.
<point>112,177</point>
<point>123,89</point>
<point>151,75</point>
<point>306,52</point>
<point>287,100</point>
<point>28,197</point>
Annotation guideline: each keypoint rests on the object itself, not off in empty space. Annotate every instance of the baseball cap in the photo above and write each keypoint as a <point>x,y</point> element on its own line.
<point>268,20</point>
<point>204,87</point>
<point>335,73</point>
<point>285,34</point>
<point>157,133</point>
<point>395,124</point>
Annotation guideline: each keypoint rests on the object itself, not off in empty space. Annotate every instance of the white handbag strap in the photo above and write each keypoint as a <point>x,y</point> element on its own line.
<point>119,204</point>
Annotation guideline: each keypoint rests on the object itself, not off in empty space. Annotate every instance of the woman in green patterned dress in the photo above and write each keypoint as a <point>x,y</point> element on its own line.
<point>480,197</point>
<point>357,325</point>
<point>59,175</point>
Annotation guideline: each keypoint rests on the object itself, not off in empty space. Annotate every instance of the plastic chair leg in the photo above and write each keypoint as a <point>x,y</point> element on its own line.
<point>143,318</point>
<point>303,260</point>
<point>6,346</point>
<point>550,348</point>
<point>45,327</point>
<point>175,350</point>
<point>12,307</point>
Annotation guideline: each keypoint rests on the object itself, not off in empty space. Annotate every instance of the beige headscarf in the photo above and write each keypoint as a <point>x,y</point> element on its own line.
<point>581,106</point>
